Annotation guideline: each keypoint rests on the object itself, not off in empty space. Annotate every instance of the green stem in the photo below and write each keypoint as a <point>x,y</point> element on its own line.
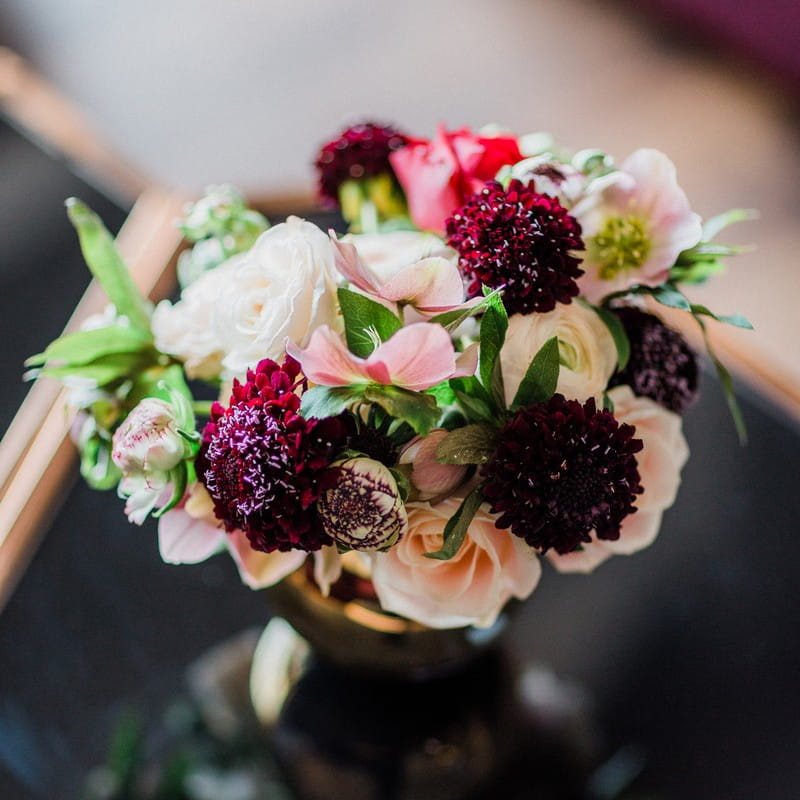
<point>202,407</point>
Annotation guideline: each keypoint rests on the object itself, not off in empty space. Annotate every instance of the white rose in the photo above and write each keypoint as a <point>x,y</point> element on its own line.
<point>387,253</point>
<point>284,287</point>
<point>660,462</point>
<point>185,330</point>
<point>587,351</point>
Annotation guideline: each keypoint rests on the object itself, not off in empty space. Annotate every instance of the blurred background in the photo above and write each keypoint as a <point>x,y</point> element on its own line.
<point>192,93</point>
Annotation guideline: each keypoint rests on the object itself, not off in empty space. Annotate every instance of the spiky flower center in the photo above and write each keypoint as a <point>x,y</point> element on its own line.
<point>621,245</point>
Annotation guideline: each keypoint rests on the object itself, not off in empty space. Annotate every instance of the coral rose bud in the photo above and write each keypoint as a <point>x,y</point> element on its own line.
<point>362,509</point>
<point>428,476</point>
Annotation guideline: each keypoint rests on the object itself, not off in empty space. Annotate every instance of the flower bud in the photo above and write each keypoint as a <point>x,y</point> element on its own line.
<point>428,476</point>
<point>148,441</point>
<point>362,509</point>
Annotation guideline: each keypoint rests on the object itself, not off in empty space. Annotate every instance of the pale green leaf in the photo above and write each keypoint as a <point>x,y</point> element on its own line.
<point>472,444</point>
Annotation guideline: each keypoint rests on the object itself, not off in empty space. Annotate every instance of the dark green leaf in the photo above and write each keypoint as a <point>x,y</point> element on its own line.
<point>541,378</point>
<point>363,315</point>
<point>419,410</point>
<point>608,403</point>
<point>669,296</point>
<point>328,401</point>
<point>737,320</point>
<point>457,526</point>
<point>107,266</point>
<point>472,444</point>
<point>473,399</point>
<point>617,331</point>
<point>450,320</point>
<point>83,347</point>
<point>726,381</point>
<point>494,325</point>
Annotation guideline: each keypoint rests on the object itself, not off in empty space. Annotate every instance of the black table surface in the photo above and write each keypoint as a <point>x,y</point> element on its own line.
<point>688,651</point>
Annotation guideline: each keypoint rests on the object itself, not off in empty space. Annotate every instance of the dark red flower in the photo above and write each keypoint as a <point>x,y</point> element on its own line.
<point>361,151</point>
<point>262,461</point>
<point>561,470</point>
<point>661,366</point>
<point>521,240</point>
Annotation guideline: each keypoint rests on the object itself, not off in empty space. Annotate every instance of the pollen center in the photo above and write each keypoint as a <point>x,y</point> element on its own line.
<point>621,245</point>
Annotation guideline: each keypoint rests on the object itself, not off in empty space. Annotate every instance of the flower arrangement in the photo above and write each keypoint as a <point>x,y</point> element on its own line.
<point>469,381</point>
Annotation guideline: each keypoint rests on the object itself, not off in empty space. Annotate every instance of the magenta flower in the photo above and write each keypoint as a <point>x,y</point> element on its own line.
<point>416,357</point>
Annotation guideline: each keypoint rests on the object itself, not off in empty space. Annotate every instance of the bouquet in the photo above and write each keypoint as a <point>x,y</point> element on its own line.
<point>468,381</point>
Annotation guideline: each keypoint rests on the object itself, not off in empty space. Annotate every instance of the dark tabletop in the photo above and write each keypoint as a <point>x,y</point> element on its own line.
<point>688,652</point>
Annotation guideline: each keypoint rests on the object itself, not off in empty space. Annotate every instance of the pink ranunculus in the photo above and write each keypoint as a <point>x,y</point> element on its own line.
<point>429,477</point>
<point>491,567</point>
<point>416,357</point>
<point>660,462</point>
<point>439,175</point>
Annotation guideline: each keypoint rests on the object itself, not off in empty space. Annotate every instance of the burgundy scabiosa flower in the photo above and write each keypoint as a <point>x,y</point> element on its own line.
<point>661,366</point>
<point>561,470</point>
<point>521,240</point>
<point>361,151</point>
<point>263,462</point>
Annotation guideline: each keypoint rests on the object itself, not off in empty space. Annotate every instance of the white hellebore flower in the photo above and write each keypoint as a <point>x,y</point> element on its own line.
<point>148,449</point>
<point>587,351</point>
<point>635,223</point>
<point>283,287</point>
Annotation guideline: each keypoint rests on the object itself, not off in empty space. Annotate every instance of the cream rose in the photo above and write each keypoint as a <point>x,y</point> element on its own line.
<point>387,253</point>
<point>491,567</point>
<point>284,287</point>
<point>185,330</point>
<point>587,351</point>
<point>660,462</point>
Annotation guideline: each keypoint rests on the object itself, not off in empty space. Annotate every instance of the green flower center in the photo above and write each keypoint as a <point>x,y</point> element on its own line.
<point>621,245</point>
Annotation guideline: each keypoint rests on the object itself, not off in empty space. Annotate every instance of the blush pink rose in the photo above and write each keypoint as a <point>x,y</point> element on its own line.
<point>660,462</point>
<point>491,567</point>
<point>439,175</point>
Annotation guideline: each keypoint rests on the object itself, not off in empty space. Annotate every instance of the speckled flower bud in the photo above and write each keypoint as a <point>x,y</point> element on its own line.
<point>363,509</point>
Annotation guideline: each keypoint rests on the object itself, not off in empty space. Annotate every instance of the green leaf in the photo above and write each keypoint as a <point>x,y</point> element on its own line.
<point>443,394</point>
<point>669,296</point>
<point>608,403</point>
<point>617,331</point>
<point>329,401</point>
<point>456,529</point>
<point>97,468</point>
<point>472,444</point>
<point>737,320</point>
<point>712,226</point>
<point>102,371</point>
<point>473,399</point>
<point>494,325</point>
<point>178,475</point>
<point>83,347</point>
<point>541,378</point>
<point>106,264</point>
<point>419,410</point>
<point>450,320</point>
<point>362,316</point>
<point>726,381</point>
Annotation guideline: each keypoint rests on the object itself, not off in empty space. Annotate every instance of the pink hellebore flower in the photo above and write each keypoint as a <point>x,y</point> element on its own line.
<point>416,357</point>
<point>431,286</point>
<point>190,534</point>
<point>440,175</point>
<point>635,223</point>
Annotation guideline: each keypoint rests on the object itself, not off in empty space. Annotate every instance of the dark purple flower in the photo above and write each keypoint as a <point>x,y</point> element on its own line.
<point>521,240</point>
<point>561,470</point>
<point>662,366</point>
<point>263,462</point>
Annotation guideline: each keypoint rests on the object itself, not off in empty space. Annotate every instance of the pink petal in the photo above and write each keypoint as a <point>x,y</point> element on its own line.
<point>417,356</point>
<point>350,265</point>
<point>431,282</point>
<point>184,539</point>
<point>327,361</point>
<point>258,569</point>
<point>467,362</point>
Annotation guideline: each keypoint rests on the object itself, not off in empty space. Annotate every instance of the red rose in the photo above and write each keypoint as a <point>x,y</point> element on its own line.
<point>440,175</point>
